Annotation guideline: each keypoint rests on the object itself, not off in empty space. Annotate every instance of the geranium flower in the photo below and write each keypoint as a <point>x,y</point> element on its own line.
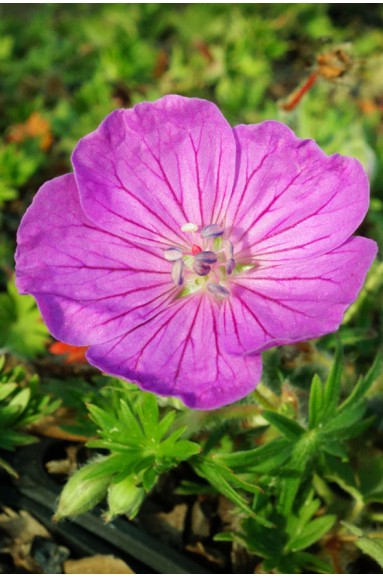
<point>180,248</point>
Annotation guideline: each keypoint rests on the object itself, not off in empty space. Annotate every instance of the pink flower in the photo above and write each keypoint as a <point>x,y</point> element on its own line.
<point>180,248</point>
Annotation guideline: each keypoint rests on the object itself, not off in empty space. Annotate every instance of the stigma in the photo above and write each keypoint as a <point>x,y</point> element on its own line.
<point>210,258</point>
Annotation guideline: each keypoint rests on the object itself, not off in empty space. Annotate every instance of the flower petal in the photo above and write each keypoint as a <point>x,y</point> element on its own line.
<point>291,301</point>
<point>147,171</point>
<point>91,285</point>
<point>179,354</point>
<point>291,200</point>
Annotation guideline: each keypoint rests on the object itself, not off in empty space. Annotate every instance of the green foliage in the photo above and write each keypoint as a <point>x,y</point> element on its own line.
<point>371,546</point>
<point>21,404</point>
<point>281,545</point>
<point>141,445</point>
<point>22,330</point>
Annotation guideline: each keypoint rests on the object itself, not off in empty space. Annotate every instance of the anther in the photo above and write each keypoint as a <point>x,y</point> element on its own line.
<point>217,290</point>
<point>177,272</point>
<point>229,266</point>
<point>189,228</point>
<point>173,254</point>
<point>201,269</point>
<point>229,249</point>
<point>206,257</point>
<point>211,231</point>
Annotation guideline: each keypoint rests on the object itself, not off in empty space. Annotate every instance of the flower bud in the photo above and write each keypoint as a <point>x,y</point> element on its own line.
<point>82,491</point>
<point>124,498</point>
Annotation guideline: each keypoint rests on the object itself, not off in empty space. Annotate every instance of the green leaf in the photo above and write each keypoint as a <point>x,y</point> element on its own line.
<point>181,450</point>
<point>344,424</point>
<point>149,479</point>
<point>147,411</point>
<point>364,384</point>
<point>165,424</point>
<point>313,563</point>
<point>297,470</point>
<point>312,532</point>
<point>7,389</point>
<point>265,458</point>
<point>288,427</point>
<point>8,468</point>
<point>102,418</point>
<point>371,546</point>
<point>217,476</point>
<point>10,439</point>
<point>23,331</point>
<point>130,423</point>
<point>21,399</point>
<point>332,388</point>
<point>315,401</point>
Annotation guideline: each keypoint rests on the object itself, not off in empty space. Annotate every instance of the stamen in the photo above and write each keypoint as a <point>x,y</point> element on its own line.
<point>212,231</point>
<point>173,254</point>
<point>196,249</point>
<point>217,290</point>
<point>230,265</point>
<point>201,269</point>
<point>206,257</point>
<point>189,228</point>
<point>177,272</point>
<point>229,249</point>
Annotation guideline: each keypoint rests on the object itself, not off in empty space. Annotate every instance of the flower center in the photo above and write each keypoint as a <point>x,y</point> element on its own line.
<point>208,263</point>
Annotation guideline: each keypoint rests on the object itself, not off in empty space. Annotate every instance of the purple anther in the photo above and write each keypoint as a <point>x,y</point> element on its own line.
<point>217,290</point>
<point>206,257</point>
<point>212,231</point>
<point>229,249</point>
<point>173,254</point>
<point>201,269</point>
<point>230,264</point>
<point>177,272</point>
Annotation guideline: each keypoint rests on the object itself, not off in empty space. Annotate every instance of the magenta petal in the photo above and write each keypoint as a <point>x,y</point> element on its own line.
<point>179,353</point>
<point>291,301</point>
<point>291,200</point>
<point>90,285</point>
<point>147,171</point>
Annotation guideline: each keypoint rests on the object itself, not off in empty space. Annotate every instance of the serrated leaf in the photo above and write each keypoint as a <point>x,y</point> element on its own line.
<point>264,459</point>
<point>312,532</point>
<point>215,475</point>
<point>102,418</point>
<point>288,427</point>
<point>181,450</point>
<point>129,422</point>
